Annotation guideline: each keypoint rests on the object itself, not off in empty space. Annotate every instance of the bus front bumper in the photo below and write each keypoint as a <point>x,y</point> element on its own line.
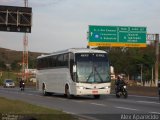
<point>92,91</point>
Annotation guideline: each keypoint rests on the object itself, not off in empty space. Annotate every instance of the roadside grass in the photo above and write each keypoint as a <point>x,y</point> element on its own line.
<point>27,111</point>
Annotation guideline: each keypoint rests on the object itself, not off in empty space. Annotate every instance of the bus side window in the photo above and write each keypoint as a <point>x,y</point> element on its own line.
<point>60,60</point>
<point>66,57</point>
<point>54,61</point>
<point>50,62</point>
<point>71,65</point>
<point>43,63</point>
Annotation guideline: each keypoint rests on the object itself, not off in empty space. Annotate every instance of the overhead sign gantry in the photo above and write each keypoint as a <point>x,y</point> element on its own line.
<point>15,19</point>
<point>117,36</point>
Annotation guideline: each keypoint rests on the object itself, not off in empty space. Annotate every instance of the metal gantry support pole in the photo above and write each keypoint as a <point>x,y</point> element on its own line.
<point>25,50</point>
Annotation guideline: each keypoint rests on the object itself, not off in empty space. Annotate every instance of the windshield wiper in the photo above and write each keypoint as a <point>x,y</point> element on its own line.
<point>94,76</point>
<point>98,74</point>
<point>89,76</point>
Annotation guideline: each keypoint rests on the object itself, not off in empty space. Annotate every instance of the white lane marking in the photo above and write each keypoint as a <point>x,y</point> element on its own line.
<point>99,104</point>
<point>126,108</point>
<point>154,112</point>
<point>148,102</point>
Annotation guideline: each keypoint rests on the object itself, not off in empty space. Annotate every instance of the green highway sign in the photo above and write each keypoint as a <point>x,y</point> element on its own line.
<point>117,36</point>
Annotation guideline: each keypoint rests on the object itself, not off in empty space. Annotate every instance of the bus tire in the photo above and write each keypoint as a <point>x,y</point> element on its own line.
<point>44,90</point>
<point>97,96</point>
<point>67,93</point>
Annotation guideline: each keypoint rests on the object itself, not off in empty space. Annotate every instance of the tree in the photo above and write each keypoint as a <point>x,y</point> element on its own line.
<point>128,60</point>
<point>32,63</point>
<point>15,65</point>
<point>2,65</point>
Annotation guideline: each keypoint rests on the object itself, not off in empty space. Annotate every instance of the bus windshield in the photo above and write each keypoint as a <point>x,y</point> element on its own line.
<point>92,68</point>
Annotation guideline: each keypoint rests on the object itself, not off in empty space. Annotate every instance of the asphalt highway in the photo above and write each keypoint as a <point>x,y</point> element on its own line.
<point>108,107</point>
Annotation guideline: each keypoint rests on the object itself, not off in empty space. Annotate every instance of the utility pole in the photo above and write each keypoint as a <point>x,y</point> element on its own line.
<point>157,58</point>
<point>141,74</point>
<point>152,76</point>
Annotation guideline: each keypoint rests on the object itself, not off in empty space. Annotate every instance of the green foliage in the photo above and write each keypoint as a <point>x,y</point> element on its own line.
<point>14,58</point>
<point>130,60</point>
<point>2,65</point>
<point>15,65</point>
<point>32,63</point>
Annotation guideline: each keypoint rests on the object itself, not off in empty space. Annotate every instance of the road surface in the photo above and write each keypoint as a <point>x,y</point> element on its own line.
<point>106,108</point>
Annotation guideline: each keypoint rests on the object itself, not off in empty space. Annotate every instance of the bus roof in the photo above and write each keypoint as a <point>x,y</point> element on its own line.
<point>74,50</point>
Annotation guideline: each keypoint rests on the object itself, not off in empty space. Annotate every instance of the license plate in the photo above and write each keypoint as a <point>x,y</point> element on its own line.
<point>95,92</point>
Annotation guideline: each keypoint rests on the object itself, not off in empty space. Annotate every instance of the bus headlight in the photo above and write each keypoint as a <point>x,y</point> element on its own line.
<point>80,87</point>
<point>124,87</point>
<point>107,87</point>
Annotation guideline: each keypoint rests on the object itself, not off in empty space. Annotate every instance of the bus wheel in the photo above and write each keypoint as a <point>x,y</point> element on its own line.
<point>44,90</point>
<point>96,96</point>
<point>67,93</point>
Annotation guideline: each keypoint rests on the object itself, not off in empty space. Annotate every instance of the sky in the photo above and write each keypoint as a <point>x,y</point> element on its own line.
<point>63,24</point>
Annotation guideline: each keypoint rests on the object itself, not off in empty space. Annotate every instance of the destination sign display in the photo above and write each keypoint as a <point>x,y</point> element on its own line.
<point>117,36</point>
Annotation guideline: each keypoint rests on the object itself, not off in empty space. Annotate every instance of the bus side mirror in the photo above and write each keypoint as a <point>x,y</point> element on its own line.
<point>74,68</point>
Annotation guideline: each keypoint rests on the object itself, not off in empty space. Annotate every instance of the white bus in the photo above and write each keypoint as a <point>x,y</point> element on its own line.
<point>74,71</point>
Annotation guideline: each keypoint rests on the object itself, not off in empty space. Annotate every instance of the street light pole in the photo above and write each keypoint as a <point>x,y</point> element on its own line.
<point>155,37</point>
<point>152,76</point>
<point>141,65</point>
